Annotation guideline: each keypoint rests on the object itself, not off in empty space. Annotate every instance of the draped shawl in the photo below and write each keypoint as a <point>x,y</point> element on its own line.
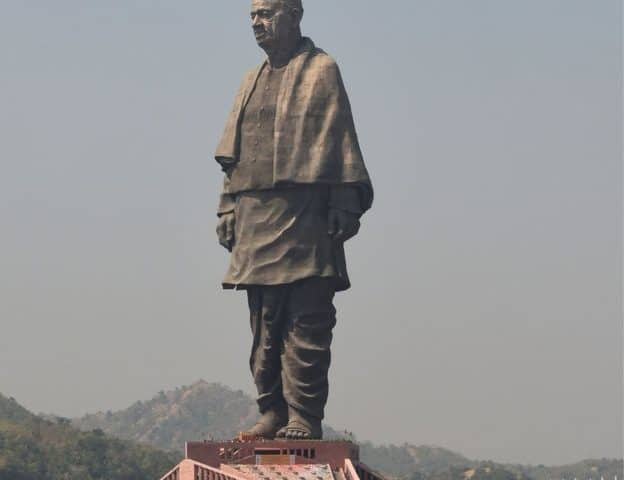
<point>315,140</point>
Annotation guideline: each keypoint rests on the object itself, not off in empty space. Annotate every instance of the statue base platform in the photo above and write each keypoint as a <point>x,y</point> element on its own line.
<point>272,460</point>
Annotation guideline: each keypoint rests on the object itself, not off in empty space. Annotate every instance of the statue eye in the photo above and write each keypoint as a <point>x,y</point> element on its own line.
<point>263,14</point>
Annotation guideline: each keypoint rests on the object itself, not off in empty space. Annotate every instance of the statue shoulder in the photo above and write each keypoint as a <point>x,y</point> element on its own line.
<point>248,80</point>
<point>317,59</point>
<point>251,74</point>
<point>323,60</point>
<point>322,65</point>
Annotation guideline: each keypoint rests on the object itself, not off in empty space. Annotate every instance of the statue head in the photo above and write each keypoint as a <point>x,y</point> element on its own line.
<point>276,23</point>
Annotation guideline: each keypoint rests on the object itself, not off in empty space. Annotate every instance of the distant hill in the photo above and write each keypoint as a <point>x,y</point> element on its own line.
<point>205,410</point>
<point>481,471</point>
<point>403,461</point>
<point>33,448</point>
<point>172,418</point>
<point>587,469</point>
<point>11,411</point>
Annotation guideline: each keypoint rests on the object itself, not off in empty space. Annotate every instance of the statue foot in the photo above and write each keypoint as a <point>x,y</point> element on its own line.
<point>301,427</point>
<point>268,424</point>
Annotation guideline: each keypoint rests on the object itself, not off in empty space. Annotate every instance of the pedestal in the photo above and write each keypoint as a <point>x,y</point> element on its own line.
<point>272,460</point>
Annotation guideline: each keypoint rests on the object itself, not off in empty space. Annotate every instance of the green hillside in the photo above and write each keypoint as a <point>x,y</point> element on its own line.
<point>210,410</point>
<point>204,410</point>
<point>405,460</point>
<point>11,411</point>
<point>587,469</point>
<point>137,443</point>
<point>33,448</point>
<point>481,471</point>
<point>197,412</point>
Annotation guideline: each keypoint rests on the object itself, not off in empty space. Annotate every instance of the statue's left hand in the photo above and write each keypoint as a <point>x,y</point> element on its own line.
<point>342,225</point>
<point>225,230</point>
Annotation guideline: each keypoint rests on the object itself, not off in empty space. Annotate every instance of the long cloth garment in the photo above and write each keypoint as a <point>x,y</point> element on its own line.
<point>281,237</point>
<point>290,357</point>
<point>314,139</point>
<point>280,233</point>
<point>254,169</point>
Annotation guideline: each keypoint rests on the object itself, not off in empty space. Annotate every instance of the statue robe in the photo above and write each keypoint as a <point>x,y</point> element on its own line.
<point>290,152</point>
<point>314,139</point>
<point>280,192</point>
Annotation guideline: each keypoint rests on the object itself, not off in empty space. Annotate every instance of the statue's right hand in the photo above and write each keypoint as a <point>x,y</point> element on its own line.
<point>225,230</point>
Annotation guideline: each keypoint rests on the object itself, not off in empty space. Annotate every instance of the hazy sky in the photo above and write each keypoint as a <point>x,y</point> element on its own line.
<point>485,313</point>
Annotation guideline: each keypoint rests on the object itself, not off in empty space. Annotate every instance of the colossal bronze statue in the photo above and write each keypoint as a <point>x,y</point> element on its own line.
<point>295,188</point>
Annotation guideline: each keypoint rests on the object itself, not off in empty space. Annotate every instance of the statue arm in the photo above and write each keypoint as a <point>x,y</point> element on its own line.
<point>345,210</point>
<point>346,198</point>
<point>227,219</point>
<point>227,202</point>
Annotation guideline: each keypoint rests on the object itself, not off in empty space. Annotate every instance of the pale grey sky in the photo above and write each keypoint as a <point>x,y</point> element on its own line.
<point>485,313</point>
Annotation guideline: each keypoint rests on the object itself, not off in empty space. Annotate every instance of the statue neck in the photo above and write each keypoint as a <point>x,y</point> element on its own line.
<point>281,55</point>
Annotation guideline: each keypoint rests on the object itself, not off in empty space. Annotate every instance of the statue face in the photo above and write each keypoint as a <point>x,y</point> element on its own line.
<point>272,23</point>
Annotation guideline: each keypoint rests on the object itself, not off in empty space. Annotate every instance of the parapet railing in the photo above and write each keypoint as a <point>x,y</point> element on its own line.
<point>349,471</point>
<point>360,471</point>
<point>173,474</point>
<point>192,470</point>
<point>364,472</point>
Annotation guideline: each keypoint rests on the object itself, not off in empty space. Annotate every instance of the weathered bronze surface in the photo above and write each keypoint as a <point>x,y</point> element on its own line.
<point>294,190</point>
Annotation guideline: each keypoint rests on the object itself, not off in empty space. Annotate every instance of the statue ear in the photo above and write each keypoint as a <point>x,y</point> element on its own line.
<point>297,15</point>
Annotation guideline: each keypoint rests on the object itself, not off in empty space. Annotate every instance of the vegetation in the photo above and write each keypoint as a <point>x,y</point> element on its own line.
<point>587,469</point>
<point>33,448</point>
<point>482,471</point>
<point>208,410</point>
<point>407,460</point>
<point>202,410</point>
<point>137,443</point>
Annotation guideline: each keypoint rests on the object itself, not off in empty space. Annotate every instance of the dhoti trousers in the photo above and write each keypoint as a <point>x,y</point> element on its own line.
<point>292,333</point>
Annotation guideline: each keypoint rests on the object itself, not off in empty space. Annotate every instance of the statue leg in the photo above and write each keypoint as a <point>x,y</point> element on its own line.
<point>266,305</point>
<point>306,357</point>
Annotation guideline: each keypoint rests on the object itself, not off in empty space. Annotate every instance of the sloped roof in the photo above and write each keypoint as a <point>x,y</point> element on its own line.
<point>285,472</point>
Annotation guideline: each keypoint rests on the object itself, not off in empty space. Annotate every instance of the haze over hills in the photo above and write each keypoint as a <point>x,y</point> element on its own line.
<point>197,412</point>
<point>209,410</point>
<point>34,448</point>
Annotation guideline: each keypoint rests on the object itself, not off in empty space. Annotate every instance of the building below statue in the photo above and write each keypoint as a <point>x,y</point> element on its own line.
<point>272,460</point>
